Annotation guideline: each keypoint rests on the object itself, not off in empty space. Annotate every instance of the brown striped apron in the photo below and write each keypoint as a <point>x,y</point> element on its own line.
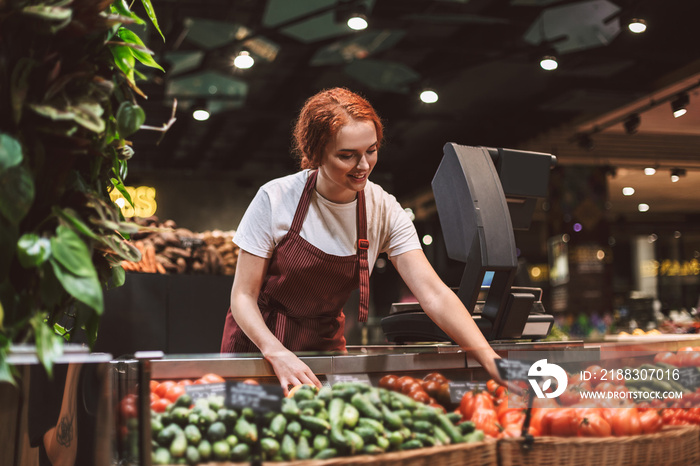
<point>302,297</point>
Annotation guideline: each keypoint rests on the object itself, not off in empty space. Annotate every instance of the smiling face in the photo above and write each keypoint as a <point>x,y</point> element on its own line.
<point>347,161</point>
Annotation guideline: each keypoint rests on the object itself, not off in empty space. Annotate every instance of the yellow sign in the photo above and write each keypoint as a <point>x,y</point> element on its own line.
<point>143,197</point>
<point>670,268</point>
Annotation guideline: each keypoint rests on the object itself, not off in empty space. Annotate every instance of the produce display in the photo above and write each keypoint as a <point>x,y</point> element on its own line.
<point>167,249</point>
<point>349,418</point>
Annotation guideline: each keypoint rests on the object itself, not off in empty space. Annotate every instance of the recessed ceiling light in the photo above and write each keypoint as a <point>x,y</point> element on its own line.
<point>549,63</point>
<point>243,60</point>
<point>637,25</point>
<point>643,207</point>
<point>428,96</point>
<point>627,191</point>
<point>649,171</point>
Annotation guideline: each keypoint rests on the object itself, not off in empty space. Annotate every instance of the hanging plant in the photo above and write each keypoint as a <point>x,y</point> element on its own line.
<point>68,101</point>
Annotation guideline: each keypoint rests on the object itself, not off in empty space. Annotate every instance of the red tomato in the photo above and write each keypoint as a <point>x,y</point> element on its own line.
<point>154,397</point>
<point>559,422</point>
<point>572,394</point>
<point>491,386</point>
<point>650,421</point>
<point>596,373</point>
<point>486,420</point>
<point>212,378</point>
<point>403,380</point>
<point>184,382</point>
<point>175,392</point>
<point>605,387</point>
<point>594,425</point>
<point>431,387</point>
<point>625,421</point>
<point>388,381</point>
<point>665,357</point>
<point>689,359</point>
<point>163,388</point>
<point>438,377</point>
<point>127,408</point>
<point>512,416</point>
<point>419,395</point>
<point>160,405</point>
<point>153,385</point>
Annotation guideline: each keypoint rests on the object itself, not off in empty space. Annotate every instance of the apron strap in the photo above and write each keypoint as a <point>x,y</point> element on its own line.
<point>362,247</point>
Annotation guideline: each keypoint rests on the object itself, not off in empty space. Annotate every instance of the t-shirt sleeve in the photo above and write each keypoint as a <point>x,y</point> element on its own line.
<point>402,235</point>
<point>254,233</point>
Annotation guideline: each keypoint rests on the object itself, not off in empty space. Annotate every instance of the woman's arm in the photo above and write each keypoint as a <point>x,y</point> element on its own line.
<point>247,282</point>
<point>61,441</point>
<point>445,308</point>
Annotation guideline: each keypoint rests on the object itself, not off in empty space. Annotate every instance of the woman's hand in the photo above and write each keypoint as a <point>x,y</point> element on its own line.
<point>290,370</point>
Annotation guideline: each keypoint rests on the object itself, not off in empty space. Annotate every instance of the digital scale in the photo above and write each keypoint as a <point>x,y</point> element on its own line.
<point>482,195</point>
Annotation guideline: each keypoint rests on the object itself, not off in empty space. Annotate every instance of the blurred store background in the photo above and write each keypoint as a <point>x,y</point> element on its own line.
<point>616,247</point>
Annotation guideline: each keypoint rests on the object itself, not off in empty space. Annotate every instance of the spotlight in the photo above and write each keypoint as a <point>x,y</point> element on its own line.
<point>632,123</point>
<point>429,96</point>
<point>637,25</point>
<point>676,174</point>
<point>352,13</point>
<point>200,114</point>
<point>549,63</point>
<point>679,104</point>
<point>243,60</point>
<point>649,171</point>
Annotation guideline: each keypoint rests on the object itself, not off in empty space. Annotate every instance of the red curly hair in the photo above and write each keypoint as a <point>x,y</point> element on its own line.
<point>321,118</point>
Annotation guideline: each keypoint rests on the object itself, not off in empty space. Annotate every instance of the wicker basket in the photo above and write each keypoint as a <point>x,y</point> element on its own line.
<point>671,446</point>
<point>463,454</point>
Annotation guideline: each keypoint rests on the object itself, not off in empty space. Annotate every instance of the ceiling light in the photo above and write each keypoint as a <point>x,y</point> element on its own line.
<point>637,25</point>
<point>632,123</point>
<point>643,207</point>
<point>649,171</point>
<point>429,96</point>
<point>353,13</point>
<point>357,22</point>
<point>676,174</point>
<point>679,104</point>
<point>549,63</point>
<point>243,60</point>
<point>200,114</point>
<point>627,191</point>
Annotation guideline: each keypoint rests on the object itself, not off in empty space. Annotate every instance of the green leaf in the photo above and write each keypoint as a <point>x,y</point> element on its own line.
<point>120,7</point>
<point>48,345</point>
<point>2,312</point>
<point>19,85</point>
<point>10,152</point>
<point>88,115</point>
<point>130,117</point>
<point>50,13</point>
<point>33,250</point>
<point>5,369</point>
<point>142,53</point>
<point>16,193</point>
<point>123,249</point>
<point>124,60</point>
<point>71,217</point>
<point>85,289</point>
<point>118,279</point>
<point>148,6</point>
<point>70,250</point>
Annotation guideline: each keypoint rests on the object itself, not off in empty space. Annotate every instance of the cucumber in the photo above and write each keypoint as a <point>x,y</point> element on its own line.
<point>383,443</point>
<point>305,392</point>
<point>294,429</point>
<point>221,450</point>
<point>240,452</point>
<point>350,416</point>
<point>391,420</point>
<point>423,427</point>
<point>179,445</point>
<point>278,426</point>
<point>206,418</point>
<point>180,415</point>
<point>325,394</point>
<point>373,423</point>
<point>455,418</point>
<point>426,440</point>
<point>441,436</point>
<point>476,436</point>
<point>314,424</point>
<point>345,393</point>
<point>193,435</point>
<point>167,434</point>
<point>184,400</point>
<point>192,455</point>
<point>245,431</point>
<point>406,401</point>
<point>395,439</point>
<point>216,432</point>
<point>288,448</point>
<point>290,409</point>
<point>368,434</point>
<point>228,417</point>
<point>372,450</point>
<point>453,432</point>
<point>232,440</point>
<point>161,456</point>
<point>335,412</point>
<point>411,444</point>
<point>338,439</point>
<point>321,442</point>
<point>365,407</point>
<point>303,448</point>
<point>326,454</point>
<point>204,449</point>
<point>467,427</point>
<point>424,414</point>
<point>356,442</point>
<point>270,447</point>
<point>315,404</point>
<point>306,433</point>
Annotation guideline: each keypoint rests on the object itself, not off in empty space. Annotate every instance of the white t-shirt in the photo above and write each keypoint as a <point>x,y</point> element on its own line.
<point>329,226</point>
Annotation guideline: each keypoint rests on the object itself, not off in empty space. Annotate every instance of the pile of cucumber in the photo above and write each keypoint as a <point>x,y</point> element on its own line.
<point>348,419</point>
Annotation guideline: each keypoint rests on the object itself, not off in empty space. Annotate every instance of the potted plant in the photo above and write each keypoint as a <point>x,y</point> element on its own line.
<point>68,103</point>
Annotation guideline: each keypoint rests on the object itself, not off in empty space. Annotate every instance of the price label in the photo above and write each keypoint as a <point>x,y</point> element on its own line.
<point>512,369</point>
<point>205,390</point>
<point>261,398</point>
<point>361,378</point>
<point>458,389</point>
<point>689,377</point>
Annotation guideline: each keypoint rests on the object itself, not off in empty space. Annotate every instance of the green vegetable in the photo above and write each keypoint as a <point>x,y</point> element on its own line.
<point>365,407</point>
<point>315,424</point>
<point>350,416</point>
<point>161,456</point>
<point>303,448</point>
<point>179,445</point>
<point>204,449</point>
<point>270,447</point>
<point>240,452</point>
<point>221,450</point>
<point>326,454</point>
<point>321,442</point>
<point>192,455</point>
<point>194,436</point>
<point>288,448</point>
<point>216,431</point>
<point>245,431</point>
<point>278,426</point>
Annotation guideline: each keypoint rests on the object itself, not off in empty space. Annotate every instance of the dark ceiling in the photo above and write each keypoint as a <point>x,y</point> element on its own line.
<point>481,56</point>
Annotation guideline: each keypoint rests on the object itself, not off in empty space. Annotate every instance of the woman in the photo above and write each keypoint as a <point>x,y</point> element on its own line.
<point>308,239</point>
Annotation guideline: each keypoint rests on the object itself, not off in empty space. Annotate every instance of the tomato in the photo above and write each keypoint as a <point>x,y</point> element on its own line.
<point>153,385</point>
<point>438,377</point>
<point>184,382</point>
<point>404,379</point>
<point>572,394</point>
<point>160,405</point>
<point>212,378</point>
<point>163,388</point>
<point>512,416</point>
<point>388,381</point>
<point>486,420</point>
<point>650,421</point>
<point>491,386</point>
<point>443,395</point>
<point>559,422</point>
<point>471,401</point>
<point>431,387</point>
<point>665,357</point>
<point>154,397</point>
<point>174,392</point>
<point>410,386</point>
<point>594,425</point>
<point>596,373</point>
<point>127,407</point>
<point>512,431</point>
<point>605,387</point>
<point>419,395</point>
<point>625,421</point>
<point>501,392</point>
<point>689,359</point>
